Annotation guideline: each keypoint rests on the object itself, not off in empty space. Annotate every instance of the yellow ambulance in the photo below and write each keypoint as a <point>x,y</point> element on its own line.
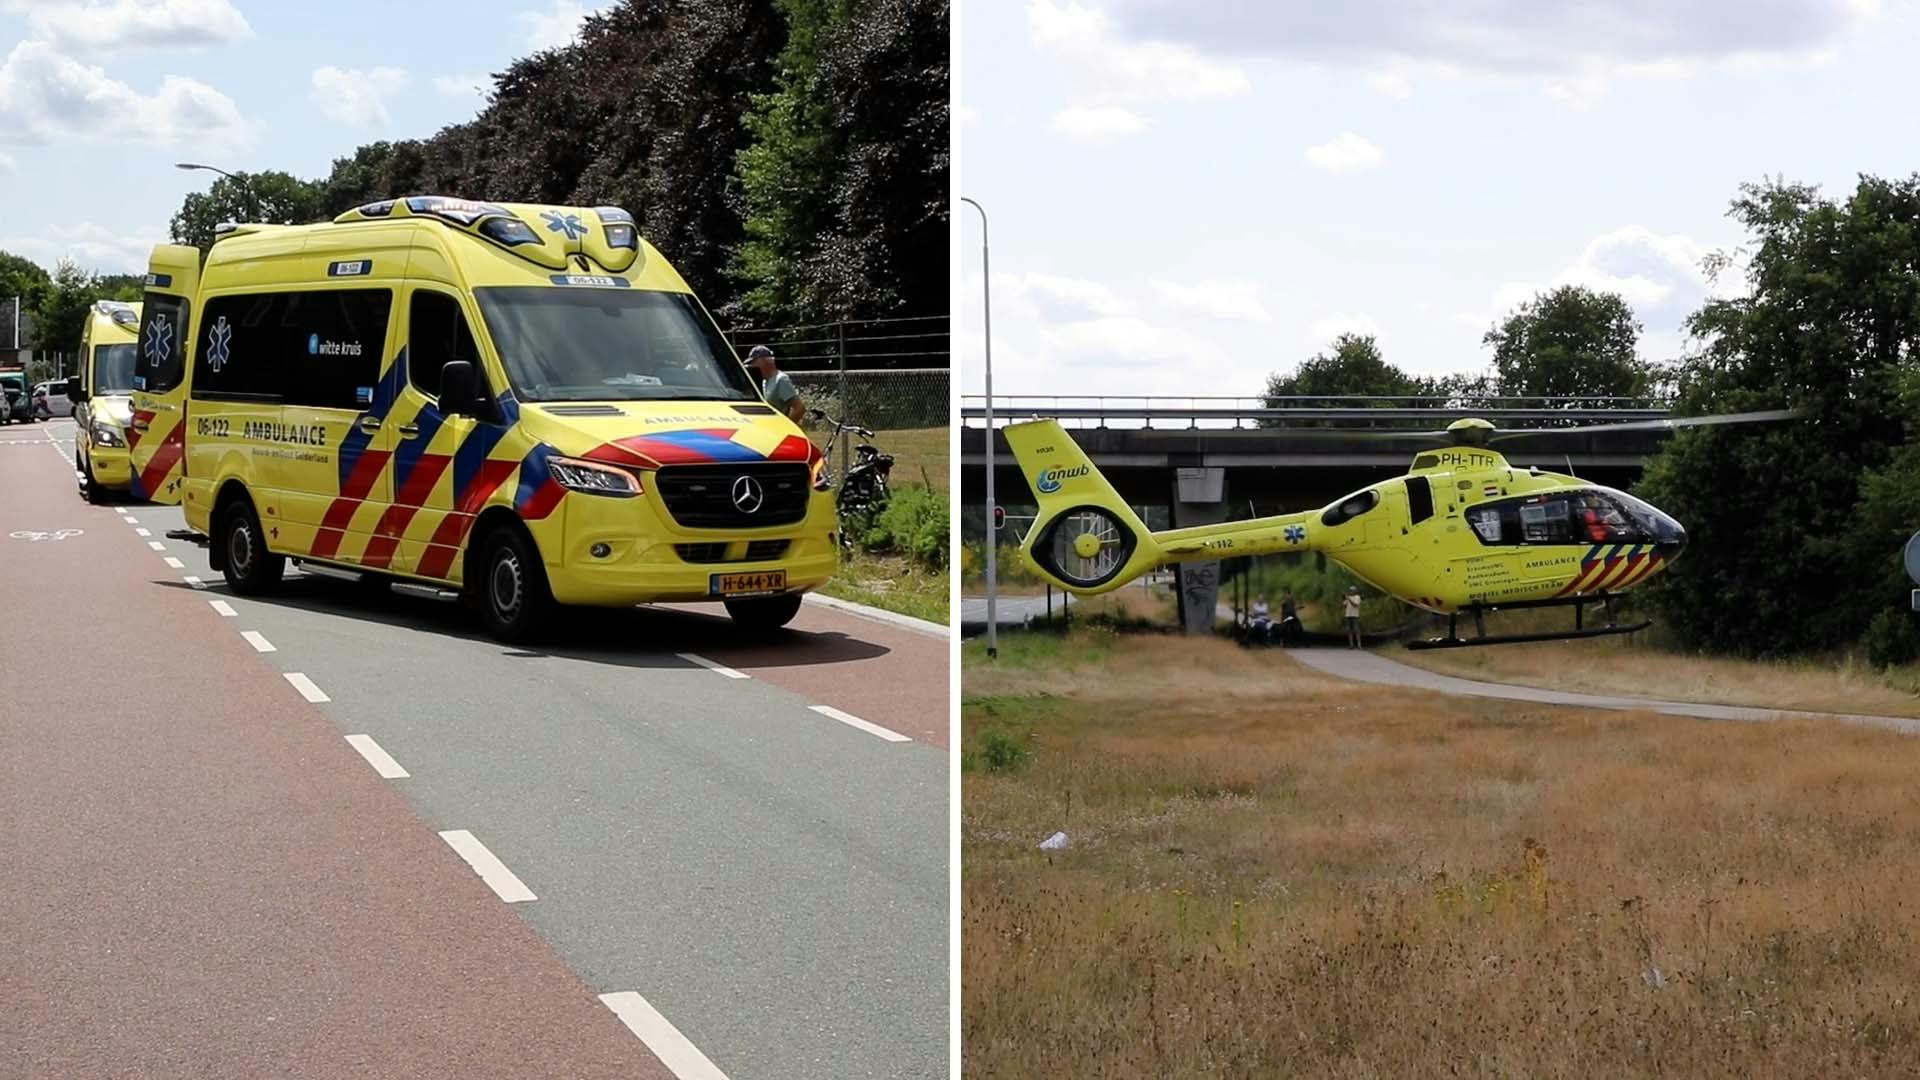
<point>524,403</point>
<point>99,392</point>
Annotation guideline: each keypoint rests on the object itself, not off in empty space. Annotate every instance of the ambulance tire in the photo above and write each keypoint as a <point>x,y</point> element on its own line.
<point>249,567</point>
<point>511,589</point>
<point>89,487</point>
<point>764,614</point>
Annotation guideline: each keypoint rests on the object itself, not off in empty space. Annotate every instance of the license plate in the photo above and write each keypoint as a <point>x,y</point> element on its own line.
<point>764,581</point>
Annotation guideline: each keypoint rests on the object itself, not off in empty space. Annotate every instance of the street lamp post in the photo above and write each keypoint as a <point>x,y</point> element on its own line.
<point>246,182</point>
<point>993,540</point>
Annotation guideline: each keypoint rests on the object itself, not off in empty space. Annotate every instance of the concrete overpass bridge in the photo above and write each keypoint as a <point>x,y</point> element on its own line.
<point>1192,461</point>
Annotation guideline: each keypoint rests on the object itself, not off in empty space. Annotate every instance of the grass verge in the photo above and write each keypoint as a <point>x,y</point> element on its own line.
<point>1274,872</point>
<point>895,583</point>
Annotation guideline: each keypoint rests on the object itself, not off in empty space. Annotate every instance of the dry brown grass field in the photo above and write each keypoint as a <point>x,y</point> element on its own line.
<point>1623,666</point>
<point>1276,873</point>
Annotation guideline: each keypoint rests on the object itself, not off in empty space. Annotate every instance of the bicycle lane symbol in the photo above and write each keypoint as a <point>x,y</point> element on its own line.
<point>34,536</point>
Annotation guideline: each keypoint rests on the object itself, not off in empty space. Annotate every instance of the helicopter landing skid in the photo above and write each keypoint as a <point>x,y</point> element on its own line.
<point>1514,639</point>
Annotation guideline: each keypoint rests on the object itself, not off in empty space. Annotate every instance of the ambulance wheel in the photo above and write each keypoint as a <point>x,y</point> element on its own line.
<point>764,614</point>
<point>250,568</point>
<point>511,588</point>
<point>89,487</point>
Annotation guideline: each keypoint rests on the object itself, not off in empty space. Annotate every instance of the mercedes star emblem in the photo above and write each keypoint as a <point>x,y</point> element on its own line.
<point>747,495</point>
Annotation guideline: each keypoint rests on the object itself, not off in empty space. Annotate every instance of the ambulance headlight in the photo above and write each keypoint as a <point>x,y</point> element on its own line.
<point>592,477</point>
<point>106,434</point>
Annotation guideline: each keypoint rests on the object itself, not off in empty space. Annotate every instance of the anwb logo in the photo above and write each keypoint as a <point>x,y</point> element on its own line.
<point>1049,480</point>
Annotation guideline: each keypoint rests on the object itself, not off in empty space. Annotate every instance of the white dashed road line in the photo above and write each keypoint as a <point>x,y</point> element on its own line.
<point>156,545</point>
<point>194,581</point>
<point>672,1048</point>
<point>711,666</point>
<point>223,608</point>
<point>175,563</point>
<point>491,870</point>
<point>258,641</point>
<point>384,764</point>
<point>307,689</point>
<point>141,532</point>
<point>853,721</point>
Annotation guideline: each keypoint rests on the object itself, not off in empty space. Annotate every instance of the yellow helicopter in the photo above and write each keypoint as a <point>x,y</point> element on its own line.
<point>1463,530</point>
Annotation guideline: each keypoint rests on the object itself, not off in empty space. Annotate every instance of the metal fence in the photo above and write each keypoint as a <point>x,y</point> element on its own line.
<point>879,373</point>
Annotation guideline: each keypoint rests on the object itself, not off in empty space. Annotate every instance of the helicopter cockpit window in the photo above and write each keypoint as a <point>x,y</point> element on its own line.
<point>1575,517</point>
<point>1350,507</point>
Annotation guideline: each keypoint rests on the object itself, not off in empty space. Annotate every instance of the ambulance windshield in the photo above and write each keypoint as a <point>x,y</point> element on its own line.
<point>608,344</point>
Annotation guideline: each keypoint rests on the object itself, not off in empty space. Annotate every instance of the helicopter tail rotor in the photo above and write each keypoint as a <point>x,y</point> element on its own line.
<point>1085,536</point>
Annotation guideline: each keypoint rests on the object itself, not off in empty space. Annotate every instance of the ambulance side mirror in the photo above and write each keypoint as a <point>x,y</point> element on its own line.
<point>75,392</point>
<point>457,396</point>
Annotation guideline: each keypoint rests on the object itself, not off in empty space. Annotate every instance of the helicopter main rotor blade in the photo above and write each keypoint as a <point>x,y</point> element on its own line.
<point>1670,424</point>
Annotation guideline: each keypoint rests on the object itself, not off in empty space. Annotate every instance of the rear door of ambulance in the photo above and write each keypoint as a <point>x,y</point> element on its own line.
<point>156,437</point>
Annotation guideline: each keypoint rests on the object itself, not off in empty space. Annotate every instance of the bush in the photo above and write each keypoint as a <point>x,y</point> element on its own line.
<point>1890,639</point>
<point>916,523</point>
<point>1001,752</point>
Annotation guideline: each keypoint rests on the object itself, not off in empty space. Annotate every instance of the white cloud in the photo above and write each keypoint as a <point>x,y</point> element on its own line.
<point>94,247</point>
<point>1346,152</point>
<point>137,24</point>
<point>354,96</point>
<point>1659,275</point>
<point>1539,37</point>
<point>1391,84</point>
<point>6,164</point>
<point>1321,331</point>
<point>1573,47</point>
<point>462,85</point>
<point>966,115</point>
<point>1222,298</point>
<point>556,26</point>
<point>1108,68</point>
<point>1095,123</point>
<point>44,94</point>
<point>1050,297</point>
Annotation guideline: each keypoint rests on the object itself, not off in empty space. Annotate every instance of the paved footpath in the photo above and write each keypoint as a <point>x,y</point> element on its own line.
<point>327,834</point>
<point>1363,666</point>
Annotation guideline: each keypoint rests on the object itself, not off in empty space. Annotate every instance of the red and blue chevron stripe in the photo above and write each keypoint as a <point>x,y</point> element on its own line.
<point>1614,567</point>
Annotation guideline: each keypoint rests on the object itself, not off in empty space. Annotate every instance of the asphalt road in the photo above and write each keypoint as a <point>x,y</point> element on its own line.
<point>729,859</point>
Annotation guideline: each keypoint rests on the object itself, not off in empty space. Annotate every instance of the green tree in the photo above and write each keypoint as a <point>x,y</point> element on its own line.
<point>1795,529</point>
<point>22,277</point>
<point>62,311</point>
<point>1569,342</point>
<point>845,185</point>
<point>1350,367</point>
<point>273,198</point>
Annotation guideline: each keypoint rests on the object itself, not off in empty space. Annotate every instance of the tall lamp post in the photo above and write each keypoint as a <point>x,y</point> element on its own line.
<point>993,539</point>
<point>246,182</point>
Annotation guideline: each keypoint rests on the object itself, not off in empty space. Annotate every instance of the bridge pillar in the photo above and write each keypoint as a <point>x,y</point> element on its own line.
<point>1199,498</point>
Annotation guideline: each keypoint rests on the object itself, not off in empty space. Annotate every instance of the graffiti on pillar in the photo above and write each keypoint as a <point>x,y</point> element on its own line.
<point>1201,584</point>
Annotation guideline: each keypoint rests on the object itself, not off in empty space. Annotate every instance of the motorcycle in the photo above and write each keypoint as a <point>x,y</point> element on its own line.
<point>864,492</point>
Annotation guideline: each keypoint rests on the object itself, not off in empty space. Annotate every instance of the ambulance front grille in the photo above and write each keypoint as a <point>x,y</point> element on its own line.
<point>704,496</point>
<point>757,551</point>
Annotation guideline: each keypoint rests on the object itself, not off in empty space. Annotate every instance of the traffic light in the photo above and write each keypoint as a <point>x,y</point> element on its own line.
<point>999,518</point>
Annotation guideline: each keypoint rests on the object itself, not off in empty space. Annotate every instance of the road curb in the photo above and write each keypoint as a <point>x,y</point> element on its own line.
<point>923,626</point>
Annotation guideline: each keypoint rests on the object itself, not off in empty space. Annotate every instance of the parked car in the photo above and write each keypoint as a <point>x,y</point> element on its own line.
<point>50,400</point>
<point>13,387</point>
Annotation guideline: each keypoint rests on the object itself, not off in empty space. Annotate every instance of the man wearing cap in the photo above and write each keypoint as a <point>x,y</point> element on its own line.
<point>775,385</point>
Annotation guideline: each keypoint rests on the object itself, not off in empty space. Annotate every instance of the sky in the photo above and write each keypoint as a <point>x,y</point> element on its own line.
<point>1187,195</point>
<point>99,99</point>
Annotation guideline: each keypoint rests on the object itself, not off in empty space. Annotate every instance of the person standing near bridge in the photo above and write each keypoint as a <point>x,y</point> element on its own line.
<point>776,385</point>
<point>1351,602</point>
